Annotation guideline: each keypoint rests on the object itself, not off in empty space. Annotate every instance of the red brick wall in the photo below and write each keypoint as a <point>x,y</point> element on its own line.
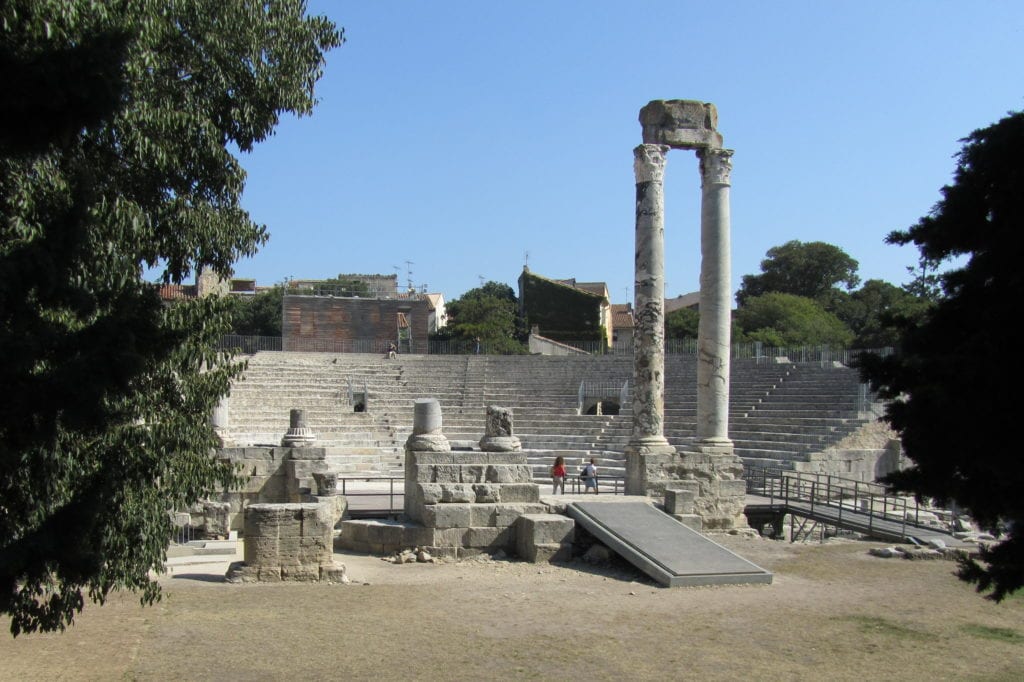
<point>310,320</point>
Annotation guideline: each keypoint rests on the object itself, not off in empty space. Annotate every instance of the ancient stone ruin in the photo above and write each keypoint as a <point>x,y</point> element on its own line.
<point>652,464</point>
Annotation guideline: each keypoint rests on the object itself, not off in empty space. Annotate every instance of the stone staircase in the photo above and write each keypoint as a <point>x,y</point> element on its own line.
<point>361,405</point>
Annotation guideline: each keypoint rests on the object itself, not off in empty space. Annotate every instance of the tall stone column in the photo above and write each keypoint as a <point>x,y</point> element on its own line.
<point>647,443</point>
<point>714,331</point>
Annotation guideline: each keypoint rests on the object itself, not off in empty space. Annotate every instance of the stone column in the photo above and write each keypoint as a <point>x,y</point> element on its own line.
<point>648,437</point>
<point>714,331</point>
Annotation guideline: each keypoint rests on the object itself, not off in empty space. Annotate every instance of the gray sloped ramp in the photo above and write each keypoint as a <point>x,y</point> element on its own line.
<point>663,548</point>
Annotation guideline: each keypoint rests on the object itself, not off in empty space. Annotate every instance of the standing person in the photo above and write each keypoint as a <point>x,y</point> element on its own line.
<point>558,475</point>
<point>392,351</point>
<point>589,476</point>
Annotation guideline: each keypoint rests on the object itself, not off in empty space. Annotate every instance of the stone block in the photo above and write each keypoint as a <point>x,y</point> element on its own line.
<point>544,529</point>
<point>549,553</point>
<point>506,514</point>
<point>692,521</point>
<point>301,573</point>
<point>519,492</point>
<point>446,473</point>
<point>487,493</point>
<point>447,515</point>
<point>482,515</point>
<point>509,473</point>
<point>472,473</point>
<point>430,493</point>
<point>680,124</point>
<point>488,538</point>
<point>732,488</point>
<point>431,458</point>
<point>504,458</point>
<point>679,501</point>
<point>457,492</point>
<point>448,537</point>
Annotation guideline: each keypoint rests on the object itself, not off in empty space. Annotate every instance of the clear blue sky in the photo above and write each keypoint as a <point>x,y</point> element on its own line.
<point>462,135</point>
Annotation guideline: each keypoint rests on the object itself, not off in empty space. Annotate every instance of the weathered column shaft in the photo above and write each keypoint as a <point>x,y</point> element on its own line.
<point>649,327</point>
<point>714,331</point>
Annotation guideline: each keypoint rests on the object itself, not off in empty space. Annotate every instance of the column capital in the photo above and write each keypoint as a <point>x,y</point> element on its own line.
<point>715,166</point>
<point>649,162</point>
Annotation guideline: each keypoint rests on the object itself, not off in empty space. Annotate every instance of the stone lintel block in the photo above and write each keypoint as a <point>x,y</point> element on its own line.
<point>692,521</point>
<point>519,492</point>
<point>681,124</point>
<point>487,538</point>
<point>483,515</point>
<point>679,501</point>
<point>447,515</point>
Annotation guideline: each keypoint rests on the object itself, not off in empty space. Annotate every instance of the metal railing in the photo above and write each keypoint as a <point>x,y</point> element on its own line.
<point>602,389</point>
<point>618,485</point>
<point>825,356</point>
<point>395,500</point>
<point>846,497</point>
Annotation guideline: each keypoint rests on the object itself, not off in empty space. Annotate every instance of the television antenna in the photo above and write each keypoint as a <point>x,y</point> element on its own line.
<point>408,274</point>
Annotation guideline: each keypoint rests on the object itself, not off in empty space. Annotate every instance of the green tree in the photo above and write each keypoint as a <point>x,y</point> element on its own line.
<point>258,315</point>
<point>953,380</point>
<point>682,324</point>
<point>812,270</point>
<point>120,164</point>
<point>785,320</point>
<point>877,313</point>
<point>489,313</point>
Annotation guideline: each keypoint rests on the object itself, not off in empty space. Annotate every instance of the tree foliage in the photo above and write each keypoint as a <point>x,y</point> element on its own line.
<point>115,130</point>
<point>785,320</point>
<point>682,324</point>
<point>259,314</point>
<point>877,313</point>
<point>811,270</point>
<point>955,374</point>
<point>489,313</point>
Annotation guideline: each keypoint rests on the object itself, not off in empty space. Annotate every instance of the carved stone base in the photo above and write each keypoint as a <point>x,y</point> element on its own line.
<point>647,464</point>
<point>722,491</point>
<point>500,444</point>
<point>428,442</point>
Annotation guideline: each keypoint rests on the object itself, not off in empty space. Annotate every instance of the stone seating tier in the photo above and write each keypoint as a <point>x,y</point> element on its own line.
<point>784,410</point>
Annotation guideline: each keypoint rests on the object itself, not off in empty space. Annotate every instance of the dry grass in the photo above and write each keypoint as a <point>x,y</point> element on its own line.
<point>833,612</point>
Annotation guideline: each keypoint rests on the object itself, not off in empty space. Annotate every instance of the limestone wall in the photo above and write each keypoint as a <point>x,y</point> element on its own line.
<point>867,454</point>
<point>288,542</point>
<point>272,475</point>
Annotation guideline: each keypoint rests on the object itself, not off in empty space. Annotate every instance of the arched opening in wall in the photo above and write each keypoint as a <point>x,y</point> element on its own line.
<point>601,406</point>
<point>359,407</point>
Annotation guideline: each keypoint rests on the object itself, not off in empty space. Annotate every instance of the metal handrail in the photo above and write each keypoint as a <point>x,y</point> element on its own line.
<point>826,490</point>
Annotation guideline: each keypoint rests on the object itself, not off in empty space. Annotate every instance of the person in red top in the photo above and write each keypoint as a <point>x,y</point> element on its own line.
<point>558,475</point>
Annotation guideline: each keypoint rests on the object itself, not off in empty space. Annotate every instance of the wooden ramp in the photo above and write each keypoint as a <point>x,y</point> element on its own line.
<point>663,548</point>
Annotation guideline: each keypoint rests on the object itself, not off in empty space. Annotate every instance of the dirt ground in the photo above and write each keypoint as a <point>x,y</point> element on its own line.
<point>833,612</point>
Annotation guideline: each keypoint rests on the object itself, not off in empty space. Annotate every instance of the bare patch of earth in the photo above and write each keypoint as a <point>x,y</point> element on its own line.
<point>832,612</point>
